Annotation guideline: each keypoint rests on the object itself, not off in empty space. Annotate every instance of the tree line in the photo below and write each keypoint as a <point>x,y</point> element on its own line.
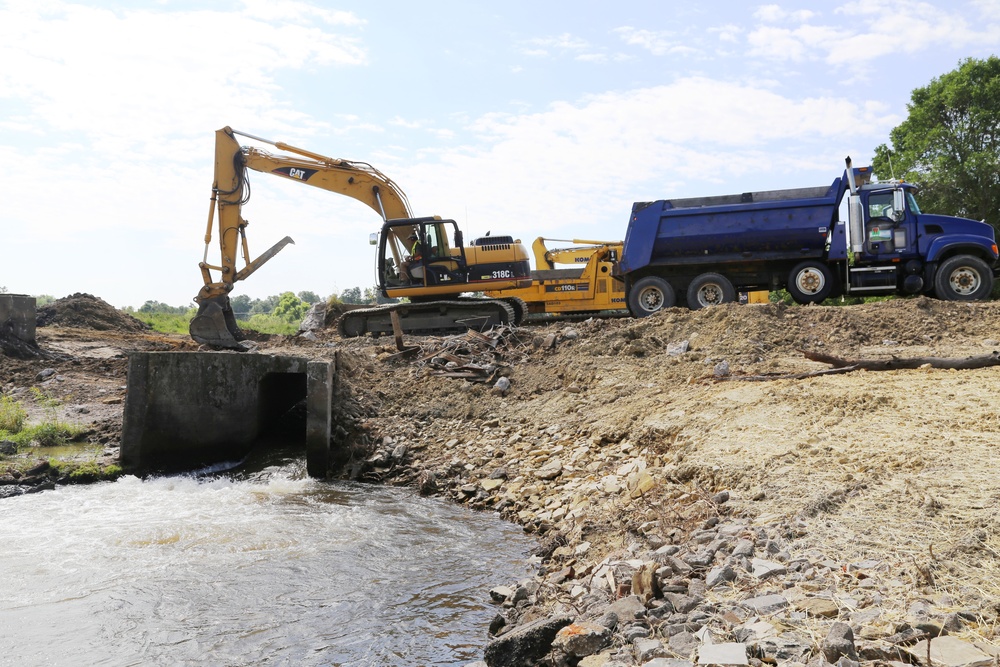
<point>287,306</point>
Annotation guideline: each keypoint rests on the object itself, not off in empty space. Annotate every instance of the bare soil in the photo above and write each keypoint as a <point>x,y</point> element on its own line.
<point>897,466</point>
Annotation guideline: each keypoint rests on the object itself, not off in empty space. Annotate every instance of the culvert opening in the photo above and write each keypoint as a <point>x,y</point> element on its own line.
<point>282,410</point>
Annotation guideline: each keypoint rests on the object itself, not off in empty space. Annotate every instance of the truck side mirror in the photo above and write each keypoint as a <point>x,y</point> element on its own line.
<point>373,238</point>
<point>898,205</point>
<point>458,238</point>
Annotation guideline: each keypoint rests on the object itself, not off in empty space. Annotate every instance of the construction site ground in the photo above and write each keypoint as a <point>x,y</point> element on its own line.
<point>610,424</point>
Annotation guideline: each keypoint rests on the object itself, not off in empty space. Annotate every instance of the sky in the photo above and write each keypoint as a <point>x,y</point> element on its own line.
<point>542,118</point>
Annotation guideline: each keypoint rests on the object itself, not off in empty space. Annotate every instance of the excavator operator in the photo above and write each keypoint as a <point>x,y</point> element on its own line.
<point>414,258</point>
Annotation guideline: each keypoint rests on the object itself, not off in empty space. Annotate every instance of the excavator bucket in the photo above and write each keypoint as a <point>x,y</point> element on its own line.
<point>215,325</point>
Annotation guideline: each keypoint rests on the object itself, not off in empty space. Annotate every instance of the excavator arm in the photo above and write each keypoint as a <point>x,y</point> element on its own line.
<point>215,323</point>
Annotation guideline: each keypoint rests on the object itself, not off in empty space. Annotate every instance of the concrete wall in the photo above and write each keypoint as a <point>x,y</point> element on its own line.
<point>188,409</point>
<point>17,316</point>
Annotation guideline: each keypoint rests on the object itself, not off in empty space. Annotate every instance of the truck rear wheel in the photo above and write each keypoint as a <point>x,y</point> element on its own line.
<point>649,295</point>
<point>810,282</point>
<point>710,289</point>
<point>963,278</point>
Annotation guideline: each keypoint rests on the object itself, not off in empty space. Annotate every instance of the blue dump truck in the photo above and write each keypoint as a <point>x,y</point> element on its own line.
<point>705,251</point>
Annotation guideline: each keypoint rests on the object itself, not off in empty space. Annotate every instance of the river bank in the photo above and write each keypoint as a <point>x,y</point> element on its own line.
<point>689,500</point>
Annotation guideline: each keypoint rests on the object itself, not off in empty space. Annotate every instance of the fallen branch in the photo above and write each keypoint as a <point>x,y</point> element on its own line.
<point>849,365</point>
<point>896,363</point>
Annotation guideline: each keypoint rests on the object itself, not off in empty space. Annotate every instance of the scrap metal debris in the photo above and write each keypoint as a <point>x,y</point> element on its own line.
<point>474,356</point>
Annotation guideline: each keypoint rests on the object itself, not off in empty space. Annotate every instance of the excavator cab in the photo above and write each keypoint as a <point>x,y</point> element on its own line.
<point>435,261</point>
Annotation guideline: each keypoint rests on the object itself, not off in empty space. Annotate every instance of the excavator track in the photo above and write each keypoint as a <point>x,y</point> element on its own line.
<point>431,317</point>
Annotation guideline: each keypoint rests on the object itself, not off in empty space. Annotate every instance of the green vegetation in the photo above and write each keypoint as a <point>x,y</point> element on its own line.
<point>12,416</point>
<point>48,434</point>
<point>271,324</point>
<point>291,308</point>
<point>166,322</point>
<point>13,419</point>
<point>47,401</point>
<point>782,296</point>
<point>87,471</point>
<point>277,314</point>
<point>26,437</point>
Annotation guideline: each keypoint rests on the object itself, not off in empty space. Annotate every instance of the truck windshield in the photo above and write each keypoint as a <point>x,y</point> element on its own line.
<point>911,201</point>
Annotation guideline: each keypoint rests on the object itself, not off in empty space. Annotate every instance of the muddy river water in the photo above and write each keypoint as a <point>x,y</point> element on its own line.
<point>269,568</point>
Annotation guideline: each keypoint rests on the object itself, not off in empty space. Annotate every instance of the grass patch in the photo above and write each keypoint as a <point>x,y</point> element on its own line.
<point>271,324</point>
<point>90,471</point>
<point>12,416</point>
<point>179,324</point>
<point>166,322</point>
<point>47,401</point>
<point>46,434</point>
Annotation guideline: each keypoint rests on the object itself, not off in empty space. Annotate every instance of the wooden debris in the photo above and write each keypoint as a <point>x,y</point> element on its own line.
<point>397,332</point>
<point>850,365</point>
<point>898,364</point>
<point>474,356</point>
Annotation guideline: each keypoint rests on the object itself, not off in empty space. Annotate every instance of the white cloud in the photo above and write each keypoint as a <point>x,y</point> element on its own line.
<point>866,32</point>
<point>989,9</point>
<point>580,165</point>
<point>727,33</point>
<point>564,43</point>
<point>93,72</point>
<point>776,14</point>
<point>289,10</point>
<point>399,121</point>
<point>792,44</point>
<point>906,27</point>
<point>659,43</point>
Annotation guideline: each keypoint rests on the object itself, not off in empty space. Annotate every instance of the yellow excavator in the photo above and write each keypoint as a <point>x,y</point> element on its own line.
<point>421,259</point>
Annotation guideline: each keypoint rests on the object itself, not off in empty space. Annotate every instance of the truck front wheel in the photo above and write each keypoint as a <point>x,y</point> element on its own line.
<point>810,282</point>
<point>710,289</point>
<point>649,295</point>
<point>963,278</point>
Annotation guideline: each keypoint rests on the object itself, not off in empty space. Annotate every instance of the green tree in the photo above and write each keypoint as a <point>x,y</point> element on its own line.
<point>265,306</point>
<point>160,307</point>
<point>290,308</point>
<point>949,143</point>
<point>352,295</point>
<point>240,304</point>
<point>373,295</point>
<point>310,297</point>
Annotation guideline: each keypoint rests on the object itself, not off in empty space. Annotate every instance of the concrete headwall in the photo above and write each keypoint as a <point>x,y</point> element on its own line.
<point>17,316</point>
<point>188,409</point>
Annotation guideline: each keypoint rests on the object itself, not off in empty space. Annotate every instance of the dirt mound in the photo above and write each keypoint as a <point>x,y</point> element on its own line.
<point>751,334</point>
<point>85,311</point>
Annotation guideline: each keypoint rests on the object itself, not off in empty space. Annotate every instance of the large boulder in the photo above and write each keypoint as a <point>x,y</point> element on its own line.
<point>525,645</point>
